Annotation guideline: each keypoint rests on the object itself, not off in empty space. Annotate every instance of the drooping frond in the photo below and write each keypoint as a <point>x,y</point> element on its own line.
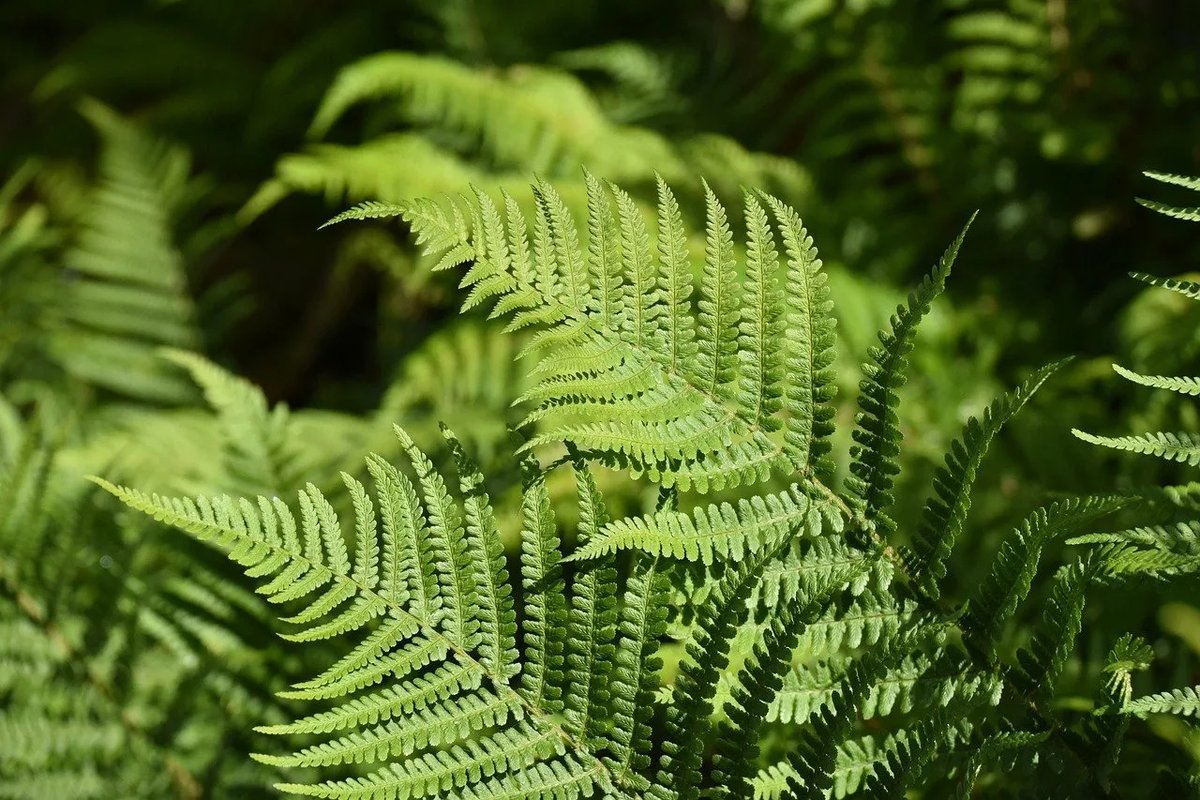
<point>877,437</point>
<point>432,673</point>
<point>946,511</point>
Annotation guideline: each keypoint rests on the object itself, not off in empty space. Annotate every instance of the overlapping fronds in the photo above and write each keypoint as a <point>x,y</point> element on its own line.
<point>525,119</point>
<point>429,695</point>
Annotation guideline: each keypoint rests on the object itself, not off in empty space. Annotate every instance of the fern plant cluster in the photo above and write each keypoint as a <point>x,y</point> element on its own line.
<point>665,514</point>
<point>822,654</point>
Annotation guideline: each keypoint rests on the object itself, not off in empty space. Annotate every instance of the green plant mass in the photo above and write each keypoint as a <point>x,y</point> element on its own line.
<point>449,400</point>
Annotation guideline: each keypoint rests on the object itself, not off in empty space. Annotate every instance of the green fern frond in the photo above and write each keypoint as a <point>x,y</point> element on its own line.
<point>1182,385</point>
<point>130,296</point>
<point>811,764</point>
<point>712,533</point>
<point>632,334</point>
<point>917,682</point>
<point>688,718</point>
<point>258,450</point>
<point>1183,447</point>
<point>877,435</point>
<point>427,596</point>
<point>1009,580</point>
<point>1188,214</point>
<point>1054,638</point>
<point>946,511</point>
<point>1189,289</point>
<point>1180,702</point>
<point>368,209</point>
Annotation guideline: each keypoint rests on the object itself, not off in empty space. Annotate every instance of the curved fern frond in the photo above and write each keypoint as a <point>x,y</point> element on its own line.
<point>1009,580</point>
<point>1182,385</point>
<point>435,664</point>
<point>1183,447</point>
<point>1054,638</point>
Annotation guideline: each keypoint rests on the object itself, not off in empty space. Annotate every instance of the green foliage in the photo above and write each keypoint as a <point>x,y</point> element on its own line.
<point>720,517</point>
<point>818,658</point>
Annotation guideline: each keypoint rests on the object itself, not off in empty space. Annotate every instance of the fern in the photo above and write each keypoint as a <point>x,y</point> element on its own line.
<point>810,640</point>
<point>130,295</point>
<point>679,429</point>
<point>426,590</point>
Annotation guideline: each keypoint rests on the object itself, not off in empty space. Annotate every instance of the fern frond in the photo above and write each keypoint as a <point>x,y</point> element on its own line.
<point>593,620</point>
<point>369,209</point>
<point>636,674</point>
<point>946,511</point>
<point>1180,702</point>
<point>877,436</point>
<point>1009,580</point>
<point>808,347</point>
<point>259,454</point>
<point>1183,447</point>
<point>917,682</point>
<point>1182,385</point>
<point>712,533</point>
<point>1185,213</point>
<point>426,596</point>
<point>130,294</point>
<point>632,340</point>
<point>812,763</point>
<point>750,705</point>
<point>1189,289</point>
<point>1054,638</point>
<point>707,655</point>
<point>545,625</point>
